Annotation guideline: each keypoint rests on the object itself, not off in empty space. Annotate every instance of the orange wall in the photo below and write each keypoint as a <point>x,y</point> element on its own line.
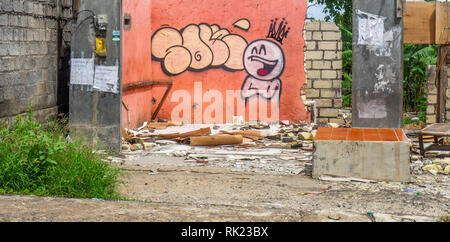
<point>137,63</point>
<point>194,43</point>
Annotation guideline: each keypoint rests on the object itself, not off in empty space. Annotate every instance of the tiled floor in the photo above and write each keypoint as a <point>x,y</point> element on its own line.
<point>360,134</point>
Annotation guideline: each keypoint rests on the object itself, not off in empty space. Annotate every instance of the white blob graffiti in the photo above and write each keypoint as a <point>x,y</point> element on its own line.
<point>384,79</point>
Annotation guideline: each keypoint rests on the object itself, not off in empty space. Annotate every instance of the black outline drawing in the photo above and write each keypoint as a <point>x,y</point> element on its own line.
<point>263,61</point>
<point>280,33</point>
<point>239,27</point>
<point>194,56</point>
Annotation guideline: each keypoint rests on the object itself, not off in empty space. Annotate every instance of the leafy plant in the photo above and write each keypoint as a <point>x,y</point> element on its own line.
<point>416,59</point>
<point>37,159</point>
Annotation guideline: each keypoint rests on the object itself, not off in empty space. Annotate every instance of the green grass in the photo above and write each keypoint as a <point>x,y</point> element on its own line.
<point>37,159</point>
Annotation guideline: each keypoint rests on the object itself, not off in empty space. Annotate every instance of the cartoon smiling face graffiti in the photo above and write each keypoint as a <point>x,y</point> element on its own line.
<point>264,60</point>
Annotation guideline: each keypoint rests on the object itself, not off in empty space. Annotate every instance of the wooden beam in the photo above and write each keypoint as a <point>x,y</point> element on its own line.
<point>442,33</point>
<point>419,23</point>
<point>427,23</point>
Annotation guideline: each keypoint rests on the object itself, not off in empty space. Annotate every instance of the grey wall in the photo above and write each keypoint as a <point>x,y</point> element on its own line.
<point>95,115</point>
<point>29,41</point>
<point>377,84</point>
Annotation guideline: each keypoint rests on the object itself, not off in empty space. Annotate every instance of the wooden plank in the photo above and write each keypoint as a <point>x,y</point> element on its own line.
<point>420,23</point>
<point>442,32</point>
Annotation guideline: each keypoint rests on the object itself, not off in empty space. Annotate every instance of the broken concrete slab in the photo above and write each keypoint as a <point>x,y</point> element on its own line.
<point>367,157</point>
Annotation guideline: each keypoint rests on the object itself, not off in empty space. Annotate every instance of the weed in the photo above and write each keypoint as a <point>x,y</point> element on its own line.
<point>37,159</point>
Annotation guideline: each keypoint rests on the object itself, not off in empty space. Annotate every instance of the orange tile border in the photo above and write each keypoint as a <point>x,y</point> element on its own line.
<point>360,134</point>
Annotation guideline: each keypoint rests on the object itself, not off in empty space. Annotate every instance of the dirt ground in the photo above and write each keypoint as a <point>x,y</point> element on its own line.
<point>161,188</point>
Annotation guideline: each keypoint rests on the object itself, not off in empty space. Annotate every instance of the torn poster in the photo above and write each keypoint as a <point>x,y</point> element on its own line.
<point>82,71</point>
<point>372,109</point>
<point>106,78</point>
<point>371,29</point>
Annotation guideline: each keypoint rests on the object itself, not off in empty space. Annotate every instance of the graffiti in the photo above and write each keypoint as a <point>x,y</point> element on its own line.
<point>264,62</point>
<point>384,79</point>
<point>198,47</point>
<point>280,33</point>
<point>243,24</point>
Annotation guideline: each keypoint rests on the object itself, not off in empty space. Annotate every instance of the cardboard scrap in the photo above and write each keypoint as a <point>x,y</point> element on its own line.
<point>214,140</point>
<point>249,134</point>
<point>173,136</point>
<point>159,125</point>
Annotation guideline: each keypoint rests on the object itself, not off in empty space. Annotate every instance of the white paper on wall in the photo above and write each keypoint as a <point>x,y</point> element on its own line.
<point>106,78</point>
<point>82,71</point>
<point>373,109</point>
<point>371,29</point>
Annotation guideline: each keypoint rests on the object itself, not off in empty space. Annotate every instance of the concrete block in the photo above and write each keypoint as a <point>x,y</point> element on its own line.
<point>328,93</point>
<point>322,84</point>
<point>431,119</point>
<point>375,160</point>
<point>307,85</point>
<point>323,103</point>
<point>312,26</point>
<point>28,7</point>
<point>308,64</point>
<point>310,45</point>
<point>337,103</point>
<point>323,120</point>
<point>326,74</point>
<point>337,65</point>
<point>329,26</point>
<point>7,5</point>
<point>331,35</point>
<point>430,109</point>
<point>432,99</point>
<point>337,84</point>
<point>312,93</point>
<point>327,45</point>
<point>337,121</point>
<point>328,112</point>
<point>13,20</point>
<point>431,89</point>
<point>321,65</point>
<point>331,55</point>
<point>7,34</point>
<point>3,48</point>
<point>313,74</point>
<point>317,36</point>
<point>314,55</point>
<point>307,35</point>
<point>339,45</point>
<point>18,6</point>
<point>447,116</point>
<point>3,19</point>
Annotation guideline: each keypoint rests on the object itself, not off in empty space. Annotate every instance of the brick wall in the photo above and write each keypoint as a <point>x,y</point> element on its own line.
<point>432,95</point>
<point>28,55</point>
<point>323,64</point>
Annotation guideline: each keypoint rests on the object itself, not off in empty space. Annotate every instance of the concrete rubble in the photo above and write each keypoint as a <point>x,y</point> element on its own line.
<point>279,148</point>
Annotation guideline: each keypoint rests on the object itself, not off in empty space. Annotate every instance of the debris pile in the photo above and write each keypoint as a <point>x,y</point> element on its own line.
<point>282,148</point>
<point>434,162</point>
<point>278,148</point>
